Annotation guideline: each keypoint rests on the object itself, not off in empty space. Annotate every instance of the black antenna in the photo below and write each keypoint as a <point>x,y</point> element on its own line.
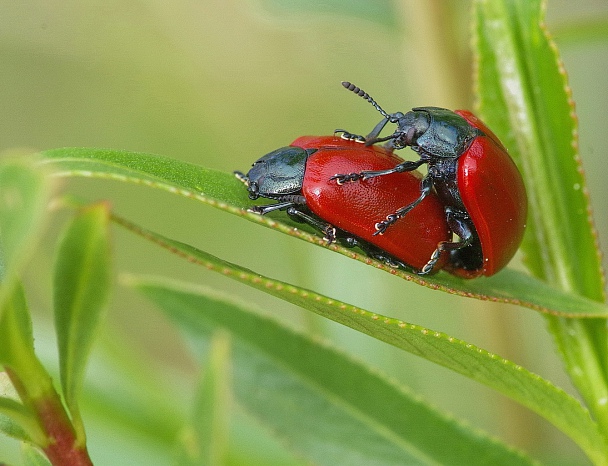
<point>361,93</point>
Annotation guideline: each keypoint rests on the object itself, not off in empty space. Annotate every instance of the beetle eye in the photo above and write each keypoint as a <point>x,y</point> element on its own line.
<point>253,189</point>
<point>395,117</point>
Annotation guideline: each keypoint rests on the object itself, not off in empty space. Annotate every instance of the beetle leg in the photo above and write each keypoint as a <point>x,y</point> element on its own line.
<point>264,209</point>
<point>290,206</point>
<point>328,230</point>
<point>460,224</point>
<point>406,166</point>
<point>388,260</point>
<point>373,135</point>
<point>425,188</point>
<point>373,252</point>
<point>370,141</point>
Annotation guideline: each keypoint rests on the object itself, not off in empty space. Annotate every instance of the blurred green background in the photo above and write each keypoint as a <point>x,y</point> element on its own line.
<point>220,83</point>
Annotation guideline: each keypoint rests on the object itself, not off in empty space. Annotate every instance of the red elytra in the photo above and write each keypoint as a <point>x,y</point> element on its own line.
<point>355,207</point>
<point>493,193</point>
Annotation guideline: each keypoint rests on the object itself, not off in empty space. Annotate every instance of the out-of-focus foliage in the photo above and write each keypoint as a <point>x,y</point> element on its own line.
<point>220,83</point>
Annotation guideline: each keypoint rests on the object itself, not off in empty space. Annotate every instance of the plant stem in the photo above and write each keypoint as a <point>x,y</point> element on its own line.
<point>62,447</point>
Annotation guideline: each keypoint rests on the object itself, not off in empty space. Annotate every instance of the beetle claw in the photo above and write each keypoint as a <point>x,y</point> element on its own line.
<point>384,224</point>
<point>380,228</point>
<point>339,179</point>
<point>345,178</point>
<point>330,234</point>
<point>350,136</point>
<point>430,265</point>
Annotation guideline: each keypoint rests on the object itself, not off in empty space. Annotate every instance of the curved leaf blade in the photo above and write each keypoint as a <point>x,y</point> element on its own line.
<point>32,457</point>
<point>524,96</point>
<point>156,171</point>
<point>303,390</point>
<point>81,289</point>
<point>17,421</point>
<point>205,439</point>
<point>223,191</point>
<point>512,380</point>
<point>27,376</point>
<point>24,195</point>
<point>515,61</point>
<point>12,413</point>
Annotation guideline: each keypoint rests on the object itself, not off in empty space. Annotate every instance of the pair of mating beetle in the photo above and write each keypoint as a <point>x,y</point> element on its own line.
<point>364,195</point>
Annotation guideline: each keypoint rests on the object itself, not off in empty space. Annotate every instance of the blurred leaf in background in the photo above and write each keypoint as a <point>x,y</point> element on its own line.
<point>219,83</point>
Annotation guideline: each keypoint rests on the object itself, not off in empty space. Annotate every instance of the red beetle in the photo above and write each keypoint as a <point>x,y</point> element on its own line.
<point>298,178</point>
<point>482,191</point>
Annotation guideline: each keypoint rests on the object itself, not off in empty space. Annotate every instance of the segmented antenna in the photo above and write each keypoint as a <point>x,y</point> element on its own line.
<point>361,93</point>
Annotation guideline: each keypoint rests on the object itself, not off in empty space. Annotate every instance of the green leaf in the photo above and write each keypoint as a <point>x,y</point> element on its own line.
<point>205,440</point>
<point>525,98</point>
<point>16,330</point>
<point>11,412</point>
<point>331,409</point>
<point>32,456</point>
<point>17,348</point>
<point>24,192</point>
<point>13,416</point>
<point>223,191</point>
<point>23,368</point>
<point>529,389</point>
<point>81,289</point>
<point>156,171</point>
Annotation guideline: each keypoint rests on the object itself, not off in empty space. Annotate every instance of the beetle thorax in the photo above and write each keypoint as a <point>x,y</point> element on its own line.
<point>446,134</point>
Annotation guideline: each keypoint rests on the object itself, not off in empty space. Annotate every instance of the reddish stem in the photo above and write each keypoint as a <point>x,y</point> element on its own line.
<point>62,449</point>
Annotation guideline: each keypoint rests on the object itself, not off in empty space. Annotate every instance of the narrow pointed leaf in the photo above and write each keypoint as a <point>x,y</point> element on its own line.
<point>32,457</point>
<point>81,287</point>
<point>223,191</point>
<point>11,411</point>
<point>329,408</point>
<point>16,329</point>
<point>24,192</point>
<point>17,421</point>
<point>524,96</point>
<point>205,439</point>
<point>17,348</point>
<point>23,196</point>
<point>529,389</point>
<point>27,376</point>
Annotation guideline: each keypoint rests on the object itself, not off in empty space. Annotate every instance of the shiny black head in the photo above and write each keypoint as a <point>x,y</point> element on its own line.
<point>436,133</point>
<point>410,127</point>
<point>278,173</point>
